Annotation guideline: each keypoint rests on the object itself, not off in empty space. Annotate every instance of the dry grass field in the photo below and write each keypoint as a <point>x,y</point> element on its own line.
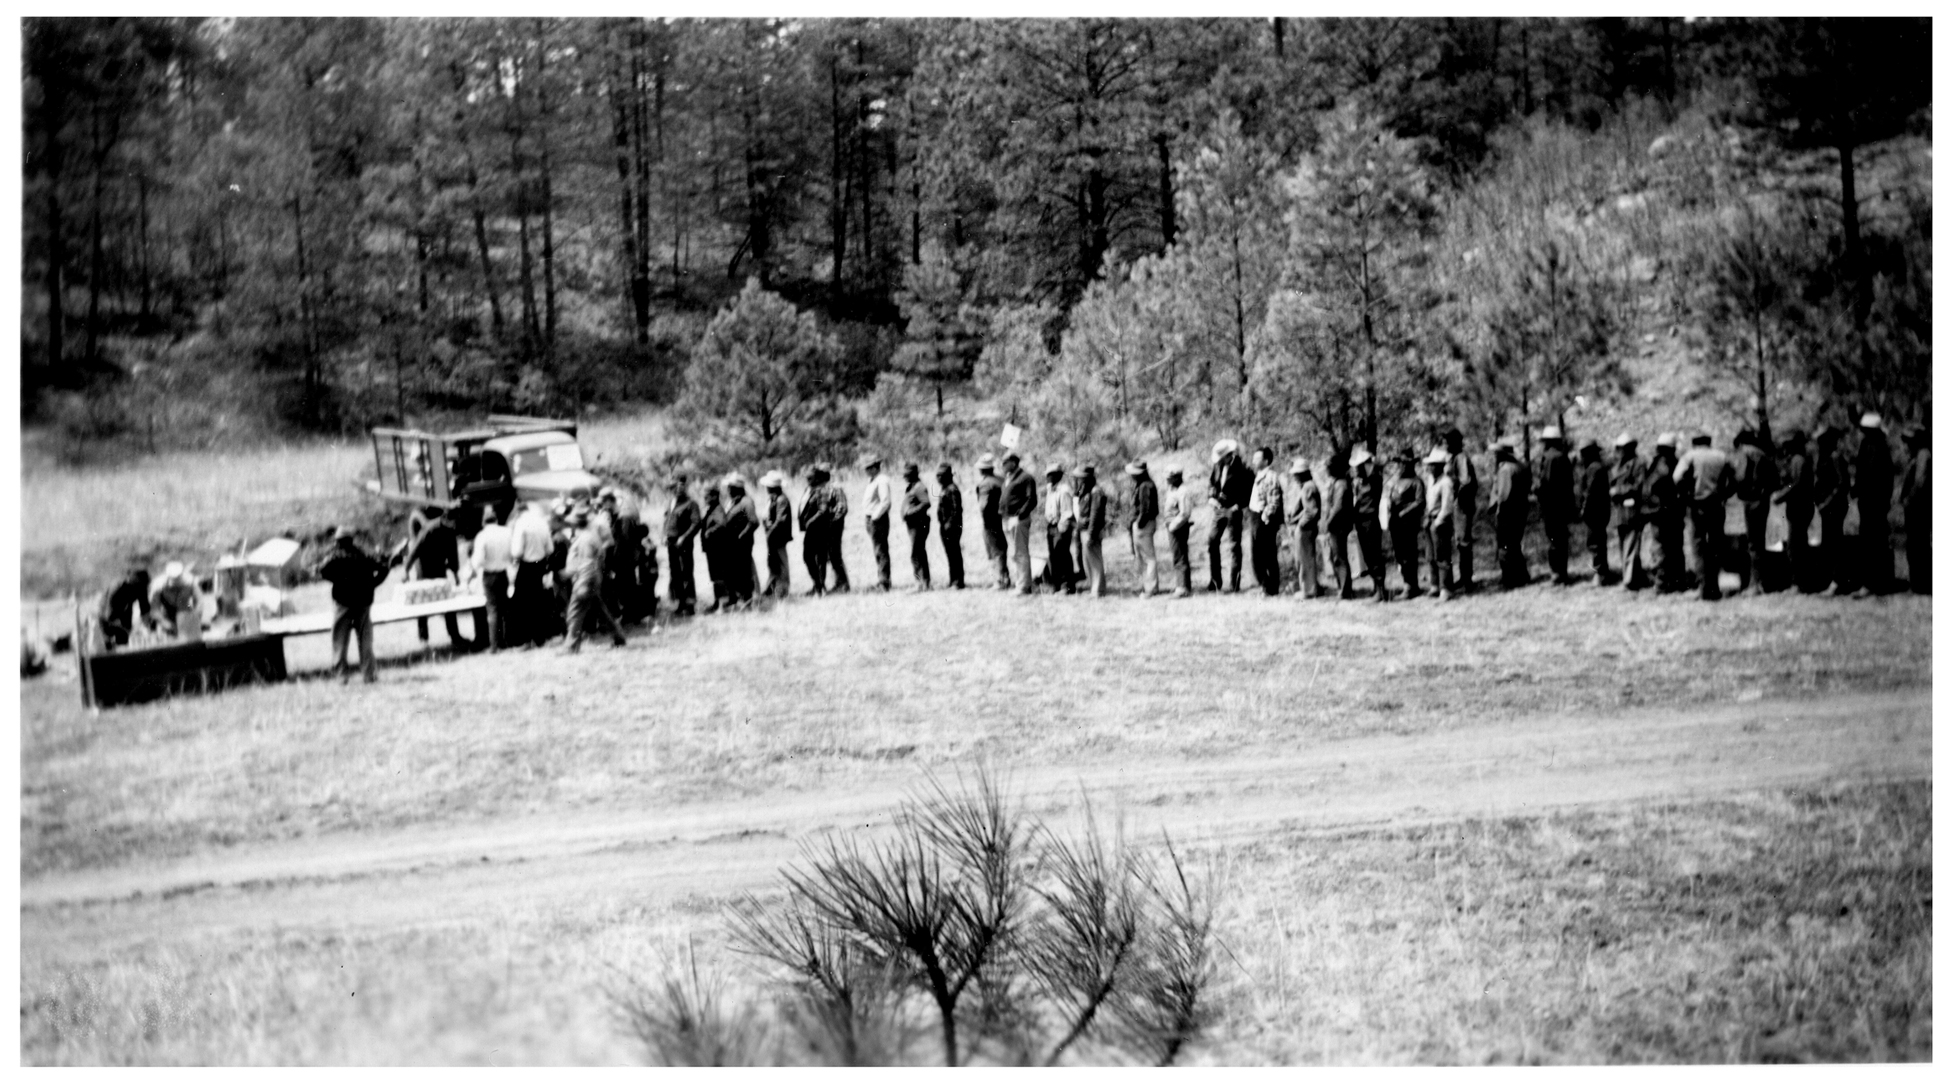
<point>1555,825</point>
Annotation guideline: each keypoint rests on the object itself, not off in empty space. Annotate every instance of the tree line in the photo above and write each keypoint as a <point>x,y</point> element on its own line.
<point>1332,226</point>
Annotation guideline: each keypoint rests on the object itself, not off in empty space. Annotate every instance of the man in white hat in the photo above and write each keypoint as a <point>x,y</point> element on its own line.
<point>1304,507</point>
<point>1265,515</point>
<point>878,518</point>
<point>174,604</point>
<point>993,523</point>
<point>777,536</point>
<point>1627,484</point>
<point>1555,494</point>
<point>740,525</point>
<point>1230,493</point>
<point>1145,505</point>
<point>1511,486</point>
<point>1440,510</point>
<point>1367,492</point>
<point>1872,489</point>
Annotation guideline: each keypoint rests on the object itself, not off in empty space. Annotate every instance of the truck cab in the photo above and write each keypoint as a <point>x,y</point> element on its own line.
<point>512,458</point>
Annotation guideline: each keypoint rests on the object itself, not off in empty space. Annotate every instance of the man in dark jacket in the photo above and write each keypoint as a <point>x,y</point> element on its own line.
<point>1705,479</point>
<point>1091,522</point>
<point>950,514</point>
<point>1511,486</point>
<point>1018,500</point>
<point>1916,497</point>
<point>915,509</point>
<point>1628,495</point>
<point>1466,493</point>
<point>740,524</point>
<point>1264,518</point>
<point>1794,493</point>
<point>1230,492</point>
<point>777,537</point>
<point>1338,521</point>
<point>716,553</point>
<point>681,526</point>
<point>1145,506</point>
<point>1556,496</point>
<point>1757,478</point>
<point>433,553</point>
<point>1405,514</point>
<point>1831,496</point>
<point>353,575</point>
<point>120,607</point>
<point>1367,490</point>
<point>816,517</point>
<point>1663,507</point>
<point>993,530</point>
<point>1592,501</point>
<point>1872,488</point>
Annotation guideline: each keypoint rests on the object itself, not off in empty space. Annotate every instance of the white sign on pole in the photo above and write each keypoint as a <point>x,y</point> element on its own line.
<point>1010,435</point>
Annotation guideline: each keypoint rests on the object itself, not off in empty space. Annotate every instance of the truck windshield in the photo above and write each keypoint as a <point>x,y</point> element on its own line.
<point>563,457</point>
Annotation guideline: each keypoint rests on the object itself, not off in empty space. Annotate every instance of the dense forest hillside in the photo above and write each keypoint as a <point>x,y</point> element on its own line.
<point>1121,231</point>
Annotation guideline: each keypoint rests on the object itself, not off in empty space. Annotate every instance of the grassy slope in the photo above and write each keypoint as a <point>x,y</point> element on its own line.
<point>1765,926</point>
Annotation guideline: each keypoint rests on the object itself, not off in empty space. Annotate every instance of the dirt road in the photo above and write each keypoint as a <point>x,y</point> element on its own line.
<point>456,872</point>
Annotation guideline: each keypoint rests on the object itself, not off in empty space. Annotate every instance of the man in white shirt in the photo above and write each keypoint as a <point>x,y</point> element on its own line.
<point>1441,509</point>
<point>493,560</point>
<point>1059,572</point>
<point>878,519</point>
<point>532,546</point>
<point>1177,508</point>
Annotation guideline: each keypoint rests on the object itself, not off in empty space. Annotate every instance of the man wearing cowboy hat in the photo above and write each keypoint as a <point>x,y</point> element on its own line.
<point>1705,479</point>
<point>1832,496</point>
<point>1794,494</point>
<point>777,536</point>
<point>1916,496</point>
<point>1058,573</point>
<point>682,524</point>
<point>1628,493</point>
<point>353,575</point>
<point>1466,492</point>
<point>175,605</point>
<point>949,512</point>
<point>1511,483</point>
<point>1405,513</point>
<point>1177,510</point>
<point>1440,521</point>
<point>716,551</point>
<point>584,571</point>
<point>1339,520</point>
<point>1872,488</point>
<point>1555,495</point>
<point>1230,492</point>
<point>1144,507</point>
<point>1305,506</point>
<point>1592,501</point>
<point>822,520</point>
<point>126,607</point>
<point>878,518</point>
<point>1368,491</point>
<point>740,524</point>
<point>1018,501</point>
<point>1091,521</point>
<point>915,510</point>
<point>993,523</point>
<point>1757,477</point>
<point>1264,516</point>
<point>1663,507</point>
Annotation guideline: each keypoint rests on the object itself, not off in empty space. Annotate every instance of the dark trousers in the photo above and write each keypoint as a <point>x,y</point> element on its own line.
<point>1557,531</point>
<point>530,606</point>
<point>1180,556</point>
<point>682,576</point>
<point>495,587</point>
<point>1707,530</point>
<point>779,584</point>
<point>996,540</point>
<point>1226,522</point>
<point>1798,553</point>
<point>1919,551</point>
<point>1508,530</point>
<point>813,553</point>
<point>1059,572</point>
<point>917,530</point>
<point>716,567</point>
<point>1832,539</point>
<point>1669,545</point>
<point>834,555</point>
<point>1372,553</point>
<point>880,528</point>
<point>1341,557</point>
<point>1875,550</point>
<point>1463,542</point>
<point>1756,515</point>
<point>346,621</point>
<point>1264,554</point>
<point>1597,540</point>
<point>956,574</point>
<point>1443,579</point>
<point>1406,551</point>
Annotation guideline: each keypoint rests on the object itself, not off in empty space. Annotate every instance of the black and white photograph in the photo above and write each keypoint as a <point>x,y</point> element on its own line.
<point>950,539</point>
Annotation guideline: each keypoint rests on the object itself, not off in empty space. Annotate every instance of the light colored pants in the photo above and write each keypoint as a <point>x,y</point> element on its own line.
<point>1146,557</point>
<point>1017,543</point>
<point>1307,547</point>
<point>1098,578</point>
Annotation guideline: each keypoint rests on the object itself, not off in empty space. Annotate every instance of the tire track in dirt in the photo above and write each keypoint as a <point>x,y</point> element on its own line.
<point>699,853</point>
